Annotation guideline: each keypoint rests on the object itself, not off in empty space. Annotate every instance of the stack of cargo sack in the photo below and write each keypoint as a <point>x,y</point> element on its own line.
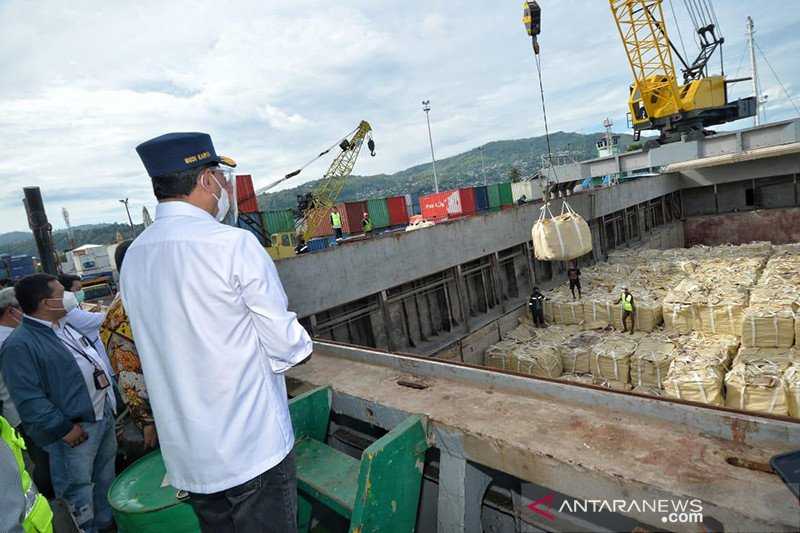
<point>650,364</point>
<point>697,372</point>
<point>770,321</point>
<point>611,360</point>
<point>560,238</point>
<point>561,308</point>
<point>791,380</point>
<point>757,386</point>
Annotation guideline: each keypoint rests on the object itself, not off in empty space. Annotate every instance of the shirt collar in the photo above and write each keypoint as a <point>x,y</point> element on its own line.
<point>179,208</point>
<point>58,325</point>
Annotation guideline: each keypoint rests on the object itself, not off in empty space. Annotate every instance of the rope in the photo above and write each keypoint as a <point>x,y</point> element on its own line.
<point>776,76</point>
<point>544,115</point>
<point>678,26</point>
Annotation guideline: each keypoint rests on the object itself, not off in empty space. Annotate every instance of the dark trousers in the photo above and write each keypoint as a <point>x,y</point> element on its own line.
<point>625,315</point>
<point>575,284</point>
<point>538,317</point>
<point>338,232</point>
<point>267,503</point>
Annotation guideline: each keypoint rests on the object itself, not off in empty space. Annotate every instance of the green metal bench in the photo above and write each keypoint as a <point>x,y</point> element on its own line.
<point>378,493</point>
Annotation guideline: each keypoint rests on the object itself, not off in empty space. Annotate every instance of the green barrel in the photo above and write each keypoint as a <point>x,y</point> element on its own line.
<point>142,505</point>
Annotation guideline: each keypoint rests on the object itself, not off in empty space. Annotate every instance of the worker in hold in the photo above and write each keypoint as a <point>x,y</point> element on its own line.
<point>22,508</point>
<point>574,276</point>
<point>536,307</point>
<point>628,309</point>
<point>366,225</point>
<point>336,222</point>
<point>215,337</point>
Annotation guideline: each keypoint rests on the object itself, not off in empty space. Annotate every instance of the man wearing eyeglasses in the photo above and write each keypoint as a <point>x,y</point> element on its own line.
<point>214,336</point>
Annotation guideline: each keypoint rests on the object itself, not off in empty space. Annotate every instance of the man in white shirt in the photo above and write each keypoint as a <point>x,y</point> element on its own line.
<point>214,336</point>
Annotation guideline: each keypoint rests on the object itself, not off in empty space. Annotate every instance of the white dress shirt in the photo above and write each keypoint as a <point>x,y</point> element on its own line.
<point>80,349</point>
<point>89,324</point>
<point>9,409</point>
<point>210,321</point>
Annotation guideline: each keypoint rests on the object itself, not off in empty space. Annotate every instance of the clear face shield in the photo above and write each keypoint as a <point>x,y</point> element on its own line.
<point>227,180</point>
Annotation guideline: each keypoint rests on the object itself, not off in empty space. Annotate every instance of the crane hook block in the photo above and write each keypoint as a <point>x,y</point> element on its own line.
<point>532,18</point>
<point>371,146</point>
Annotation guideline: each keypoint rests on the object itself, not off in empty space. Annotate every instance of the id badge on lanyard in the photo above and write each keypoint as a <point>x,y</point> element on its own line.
<point>101,381</point>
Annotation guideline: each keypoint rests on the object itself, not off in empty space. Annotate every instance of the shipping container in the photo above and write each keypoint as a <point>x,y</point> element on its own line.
<point>481,198</point>
<point>493,192</point>
<point>439,206</point>
<point>410,203</point>
<point>378,212</point>
<point>278,220</point>
<point>467,195</point>
<point>398,210</point>
<point>506,197</point>
<point>323,227</point>
<point>245,194</point>
<point>254,223</point>
<point>528,191</point>
<point>352,213</point>
<point>317,244</point>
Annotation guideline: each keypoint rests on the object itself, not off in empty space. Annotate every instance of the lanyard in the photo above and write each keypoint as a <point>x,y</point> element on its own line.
<point>77,348</point>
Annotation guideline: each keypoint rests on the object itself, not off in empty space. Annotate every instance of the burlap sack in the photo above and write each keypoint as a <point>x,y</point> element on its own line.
<point>548,308</point>
<point>757,387</point>
<point>597,314</point>
<point>522,333</point>
<point>576,354</point>
<point>721,349</point>
<point>768,327</point>
<point>561,238</point>
<point>678,317</point>
<point>538,361</point>
<point>696,379</point>
<point>791,380</point>
<point>613,385</point>
<point>715,319</point>
<point>611,359</point>
<point>498,355</point>
<point>586,379</point>
<point>556,335</point>
<point>647,316</point>
<point>567,312</point>
<point>651,361</point>
<point>649,391</point>
<point>783,357</point>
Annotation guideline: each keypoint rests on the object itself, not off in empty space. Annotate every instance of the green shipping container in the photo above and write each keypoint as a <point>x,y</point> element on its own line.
<point>378,212</point>
<point>493,192</point>
<point>140,503</point>
<point>506,196</point>
<point>278,220</point>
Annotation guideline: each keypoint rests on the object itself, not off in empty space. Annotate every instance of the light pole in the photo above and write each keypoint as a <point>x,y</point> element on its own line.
<point>483,166</point>
<point>130,220</point>
<point>426,106</point>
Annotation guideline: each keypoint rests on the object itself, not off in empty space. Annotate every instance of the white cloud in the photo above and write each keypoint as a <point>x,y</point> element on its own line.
<point>276,82</point>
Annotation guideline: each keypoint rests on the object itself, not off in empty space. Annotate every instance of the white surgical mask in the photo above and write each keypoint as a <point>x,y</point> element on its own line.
<point>70,301</point>
<point>223,202</point>
<point>80,296</point>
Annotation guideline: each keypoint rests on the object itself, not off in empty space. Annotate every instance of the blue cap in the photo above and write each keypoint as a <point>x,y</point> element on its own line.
<point>176,152</point>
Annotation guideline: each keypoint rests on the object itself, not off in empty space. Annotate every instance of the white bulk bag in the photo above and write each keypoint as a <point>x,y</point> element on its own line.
<point>560,238</point>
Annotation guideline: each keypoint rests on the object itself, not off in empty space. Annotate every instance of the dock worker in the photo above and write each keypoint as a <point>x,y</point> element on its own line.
<point>65,399</point>
<point>215,337</point>
<point>22,508</point>
<point>628,308</point>
<point>336,222</point>
<point>574,276</point>
<point>536,307</point>
<point>366,225</point>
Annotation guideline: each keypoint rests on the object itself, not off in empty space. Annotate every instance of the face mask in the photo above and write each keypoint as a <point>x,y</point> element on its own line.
<point>70,301</point>
<point>80,296</point>
<point>223,202</point>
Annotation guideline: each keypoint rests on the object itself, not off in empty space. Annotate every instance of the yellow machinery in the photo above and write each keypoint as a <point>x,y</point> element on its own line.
<point>657,101</point>
<point>281,245</point>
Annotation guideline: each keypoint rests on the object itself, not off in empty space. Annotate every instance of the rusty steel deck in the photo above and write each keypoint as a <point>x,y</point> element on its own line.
<point>580,441</point>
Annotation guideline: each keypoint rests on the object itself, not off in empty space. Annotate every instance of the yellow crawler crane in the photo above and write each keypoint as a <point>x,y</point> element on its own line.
<point>317,207</point>
<point>657,101</point>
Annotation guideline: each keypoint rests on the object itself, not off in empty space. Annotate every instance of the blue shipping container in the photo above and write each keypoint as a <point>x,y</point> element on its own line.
<point>481,198</point>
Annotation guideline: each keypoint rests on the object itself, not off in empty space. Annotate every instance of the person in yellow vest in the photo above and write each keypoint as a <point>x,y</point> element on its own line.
<point>336,222</point>
<point>22,508</point>
<point>366,225</point>
<point>628,309</point>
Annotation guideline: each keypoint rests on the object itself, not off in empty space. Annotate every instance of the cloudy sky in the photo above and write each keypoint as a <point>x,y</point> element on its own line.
<point>276,81</point>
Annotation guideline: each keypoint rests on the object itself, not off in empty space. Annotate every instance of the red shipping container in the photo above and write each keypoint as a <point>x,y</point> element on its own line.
<point>245,194</point>
<point>467,201</point>
<point>398,213</point>
<point>324,227</point>
<point>352,213</point>
<point>441,205</point>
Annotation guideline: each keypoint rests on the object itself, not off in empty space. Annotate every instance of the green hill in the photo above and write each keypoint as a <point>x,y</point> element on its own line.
<point>20,242</point>
<point>461,170</point>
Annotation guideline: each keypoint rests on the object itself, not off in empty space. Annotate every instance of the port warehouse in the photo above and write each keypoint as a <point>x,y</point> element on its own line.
<point>421,307</point>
